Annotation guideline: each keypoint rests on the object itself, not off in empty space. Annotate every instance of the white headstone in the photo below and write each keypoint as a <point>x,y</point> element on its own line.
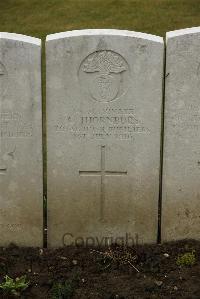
<point>21,202</point>
<point>104,94</point>
<point>181,171</point>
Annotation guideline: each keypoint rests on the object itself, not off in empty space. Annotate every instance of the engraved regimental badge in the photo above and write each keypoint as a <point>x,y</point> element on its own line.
<point>104,75</point>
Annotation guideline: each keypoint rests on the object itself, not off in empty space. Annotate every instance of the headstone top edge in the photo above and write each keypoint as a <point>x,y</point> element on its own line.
<point>21,37</point>
<point>96,32</point>
<point>181,32</point>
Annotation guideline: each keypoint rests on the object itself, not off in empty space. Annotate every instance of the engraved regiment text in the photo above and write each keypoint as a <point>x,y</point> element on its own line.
<point>13,125</point>
<point>117,123</point>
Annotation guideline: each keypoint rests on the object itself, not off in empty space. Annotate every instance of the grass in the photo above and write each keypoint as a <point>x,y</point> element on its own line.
<point>41,17</point>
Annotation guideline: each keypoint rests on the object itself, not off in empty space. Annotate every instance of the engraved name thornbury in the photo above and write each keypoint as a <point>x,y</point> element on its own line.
<point>103,123</point>
<point>104,75</point>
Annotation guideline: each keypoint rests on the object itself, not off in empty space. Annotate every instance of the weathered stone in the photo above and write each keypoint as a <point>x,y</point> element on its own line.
<point>181,168</point>
<point>21,202</point>
<point>104,95</point>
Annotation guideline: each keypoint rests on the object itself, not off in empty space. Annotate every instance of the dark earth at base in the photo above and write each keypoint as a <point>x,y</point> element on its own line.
<point>106,273</point>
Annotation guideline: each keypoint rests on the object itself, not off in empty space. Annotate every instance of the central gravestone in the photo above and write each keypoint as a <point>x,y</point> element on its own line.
<point>104,96</point>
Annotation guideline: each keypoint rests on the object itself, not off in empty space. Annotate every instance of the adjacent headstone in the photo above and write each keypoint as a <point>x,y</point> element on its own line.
<point>181,168</point>
<point>21,202</point>
<point>104,96</point>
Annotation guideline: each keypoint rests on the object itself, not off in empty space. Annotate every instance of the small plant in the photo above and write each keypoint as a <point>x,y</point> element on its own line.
<point>63,290</point>
<point>119,255</point>
<point>186,259</point>
<point>14,286</point>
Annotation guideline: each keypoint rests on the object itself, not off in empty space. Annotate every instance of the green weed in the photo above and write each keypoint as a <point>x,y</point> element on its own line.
<point>14,286</point>
<point>186,259</point>
<point>63,290</point>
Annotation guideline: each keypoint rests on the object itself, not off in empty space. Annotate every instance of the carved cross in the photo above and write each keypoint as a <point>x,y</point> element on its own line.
<point>1,72</point>
<point>3,169</point>
<point>102,173</point>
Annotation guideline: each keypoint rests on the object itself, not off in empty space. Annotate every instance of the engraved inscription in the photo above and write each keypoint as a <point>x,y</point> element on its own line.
<point>12,226</point>
<point>104,75</point>
<point>187,118</point>
<point>102,173</point>
<point>118,123</point>
<point>13,125</point>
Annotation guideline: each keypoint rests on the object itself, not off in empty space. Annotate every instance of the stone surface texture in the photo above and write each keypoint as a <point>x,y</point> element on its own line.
<point>104,98</point>
<point>181,167</point>
<point>21,187</point>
